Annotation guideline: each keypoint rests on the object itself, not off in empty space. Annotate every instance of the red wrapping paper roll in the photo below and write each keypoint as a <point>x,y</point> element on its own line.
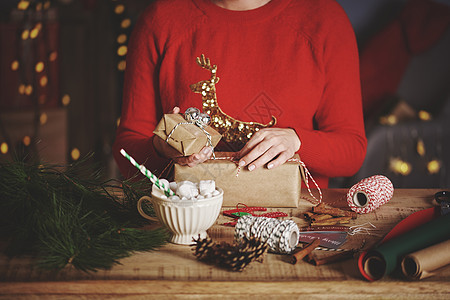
<point>370,193</point>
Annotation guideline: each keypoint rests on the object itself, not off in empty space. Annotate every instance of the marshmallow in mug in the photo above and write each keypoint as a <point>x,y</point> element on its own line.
<point>187,190</point>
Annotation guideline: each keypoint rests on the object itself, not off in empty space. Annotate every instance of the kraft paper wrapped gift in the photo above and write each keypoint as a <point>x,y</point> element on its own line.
<point>186,138</point>
<point>278,187</point>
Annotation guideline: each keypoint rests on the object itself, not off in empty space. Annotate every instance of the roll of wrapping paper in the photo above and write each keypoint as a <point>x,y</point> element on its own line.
<point>425,262</point>
<point>370,193</point>
<point>385,258</point>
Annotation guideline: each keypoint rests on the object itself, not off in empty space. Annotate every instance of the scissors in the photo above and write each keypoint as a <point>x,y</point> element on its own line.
<point>443,199</point>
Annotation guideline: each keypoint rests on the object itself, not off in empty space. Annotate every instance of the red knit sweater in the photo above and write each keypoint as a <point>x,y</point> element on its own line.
<point>294,59</point>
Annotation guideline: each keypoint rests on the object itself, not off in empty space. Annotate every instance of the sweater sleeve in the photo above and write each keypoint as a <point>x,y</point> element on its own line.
<point>141,102</point>
<point>337,145</point>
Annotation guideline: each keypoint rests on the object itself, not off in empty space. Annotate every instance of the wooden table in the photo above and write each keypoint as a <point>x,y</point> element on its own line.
<point>173,271</point>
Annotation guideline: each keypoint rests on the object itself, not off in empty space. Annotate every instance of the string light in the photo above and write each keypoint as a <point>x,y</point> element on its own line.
<point>424,115</point>
<point>43,81</point>
<point>23,5</point>
<point>65,100</point>
<point>122,65</point>
<point>122,50</point>
<point>15,65</point>
<point>118,122</point>
<point>400,166</point>
<point>22,89</point>
<point>388,120</point>
<point>434,166</point>
<point>35,31</point>
<point>420,147</point>
<point>39,67</point>
<point>53,56</point>
<point>47,5</point>
<point>4,148</point>
<point>75,154</point>
<point>26,140</point>
<point>32,28</point>
<point>28,90</point>
<point>43,118</point>
<point>25,34</point>
<point>119,9</point>
<point>125,23</point>
<point>122,38</point>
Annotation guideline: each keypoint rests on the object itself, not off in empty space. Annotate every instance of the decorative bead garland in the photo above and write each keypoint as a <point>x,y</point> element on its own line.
<point>281,236</point>
<point>370,193</point>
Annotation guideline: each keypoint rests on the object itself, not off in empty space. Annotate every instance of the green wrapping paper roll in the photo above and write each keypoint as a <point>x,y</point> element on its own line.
<point>384,259</point>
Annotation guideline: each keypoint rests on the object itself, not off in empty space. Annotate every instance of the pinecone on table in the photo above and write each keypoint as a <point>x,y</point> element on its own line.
<point>231,256</point>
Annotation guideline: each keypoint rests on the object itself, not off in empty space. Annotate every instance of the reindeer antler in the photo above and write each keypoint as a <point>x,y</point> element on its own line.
<point>204,62</point>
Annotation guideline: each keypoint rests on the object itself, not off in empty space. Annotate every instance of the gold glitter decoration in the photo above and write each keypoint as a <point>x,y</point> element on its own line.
<point>232,130</point>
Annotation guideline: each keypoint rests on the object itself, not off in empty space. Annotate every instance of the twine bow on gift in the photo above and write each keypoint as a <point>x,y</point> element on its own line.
<point>193,116</point>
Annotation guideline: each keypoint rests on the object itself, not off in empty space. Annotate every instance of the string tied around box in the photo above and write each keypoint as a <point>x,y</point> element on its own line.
<point>307,176</point>
<point>193,116</point>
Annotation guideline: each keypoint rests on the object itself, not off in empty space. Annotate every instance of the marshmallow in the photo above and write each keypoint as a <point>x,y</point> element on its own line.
<point>174,198</point>
<point>173,186</point>
<point>187,189</point>
<point>206,187</point>
<point>162,182</point>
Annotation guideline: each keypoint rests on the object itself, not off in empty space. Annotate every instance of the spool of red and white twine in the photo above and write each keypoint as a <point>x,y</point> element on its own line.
<point>370,193</point>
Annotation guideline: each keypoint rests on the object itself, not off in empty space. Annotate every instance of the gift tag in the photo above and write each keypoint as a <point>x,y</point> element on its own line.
<point>329,239</point>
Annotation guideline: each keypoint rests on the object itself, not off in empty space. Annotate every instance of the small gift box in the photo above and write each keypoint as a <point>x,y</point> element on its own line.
<point>278,187</point>
<point>186,136</point>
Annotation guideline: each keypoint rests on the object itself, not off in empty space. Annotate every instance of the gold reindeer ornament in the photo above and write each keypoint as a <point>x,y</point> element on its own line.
<point>232,130</point>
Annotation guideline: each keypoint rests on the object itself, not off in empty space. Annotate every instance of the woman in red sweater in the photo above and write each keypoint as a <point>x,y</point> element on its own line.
<point>294,59</point>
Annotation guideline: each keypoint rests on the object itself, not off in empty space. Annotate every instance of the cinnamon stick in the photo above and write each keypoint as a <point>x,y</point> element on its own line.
<point>334,211</point>
<point>321,217</point>
<point>305,251</point>
<point>330,259</point>
<point>333,221</point>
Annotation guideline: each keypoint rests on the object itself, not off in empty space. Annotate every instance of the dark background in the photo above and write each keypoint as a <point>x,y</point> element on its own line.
<point>84,34</point>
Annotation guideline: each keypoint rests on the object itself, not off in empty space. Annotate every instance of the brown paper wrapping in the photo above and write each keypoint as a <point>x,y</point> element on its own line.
<point>187,138</point>
<point>278,187</point>
<point>426,262</point>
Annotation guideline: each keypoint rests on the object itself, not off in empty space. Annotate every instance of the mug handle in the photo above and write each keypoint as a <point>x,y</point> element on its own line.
<point>141,211</point>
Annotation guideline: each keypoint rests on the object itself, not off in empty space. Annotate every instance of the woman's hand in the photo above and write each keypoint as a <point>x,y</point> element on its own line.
<point>271,146</point>
<point>191,160</point>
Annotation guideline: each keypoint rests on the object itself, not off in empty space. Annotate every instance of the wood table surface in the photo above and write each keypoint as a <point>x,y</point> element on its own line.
<point>173,272</point>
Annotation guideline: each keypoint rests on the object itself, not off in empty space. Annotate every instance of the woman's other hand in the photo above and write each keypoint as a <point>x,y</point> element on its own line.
<point>271,146</point>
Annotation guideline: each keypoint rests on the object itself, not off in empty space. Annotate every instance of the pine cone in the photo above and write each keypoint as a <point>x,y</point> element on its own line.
<point>235,257</point>
<point>204,248</point>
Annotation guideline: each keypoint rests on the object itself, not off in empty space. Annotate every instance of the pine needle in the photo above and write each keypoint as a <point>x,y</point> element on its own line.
<point>67,215</point>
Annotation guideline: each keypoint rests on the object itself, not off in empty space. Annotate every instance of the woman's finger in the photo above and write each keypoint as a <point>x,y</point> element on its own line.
<point>196,158</point>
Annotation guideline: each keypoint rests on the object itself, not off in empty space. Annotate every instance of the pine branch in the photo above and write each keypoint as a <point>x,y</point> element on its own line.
<point>67,215</point>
